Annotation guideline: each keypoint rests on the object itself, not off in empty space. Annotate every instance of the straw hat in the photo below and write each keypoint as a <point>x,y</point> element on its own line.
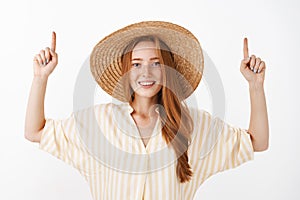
<point>105,59</point>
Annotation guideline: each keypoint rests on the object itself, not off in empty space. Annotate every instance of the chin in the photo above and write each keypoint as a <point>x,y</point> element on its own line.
<point>147,93</point>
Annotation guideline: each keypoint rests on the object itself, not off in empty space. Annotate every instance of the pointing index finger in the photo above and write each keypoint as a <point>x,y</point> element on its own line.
<point>53,42</point>
<point>246,53</point>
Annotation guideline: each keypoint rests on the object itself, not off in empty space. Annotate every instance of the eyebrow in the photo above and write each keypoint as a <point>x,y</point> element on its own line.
<point>139,59</point>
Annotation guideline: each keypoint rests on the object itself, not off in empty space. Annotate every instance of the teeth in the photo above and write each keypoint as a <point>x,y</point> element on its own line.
<point>146,83</point>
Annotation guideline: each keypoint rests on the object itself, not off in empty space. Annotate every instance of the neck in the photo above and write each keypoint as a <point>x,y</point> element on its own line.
<point>144,106</point>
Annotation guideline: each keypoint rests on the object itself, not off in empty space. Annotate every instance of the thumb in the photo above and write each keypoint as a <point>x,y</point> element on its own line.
<point>53,55</point>
<point>244,62</point>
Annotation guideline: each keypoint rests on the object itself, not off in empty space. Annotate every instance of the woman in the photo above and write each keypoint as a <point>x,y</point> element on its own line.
<point>151,146</point>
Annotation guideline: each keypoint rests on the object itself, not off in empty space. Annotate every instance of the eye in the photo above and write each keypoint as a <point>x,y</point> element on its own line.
<point>156,64</point>
<point>135,65</point>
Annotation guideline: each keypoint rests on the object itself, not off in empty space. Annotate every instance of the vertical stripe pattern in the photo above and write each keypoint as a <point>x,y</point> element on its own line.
<point>103,143</point>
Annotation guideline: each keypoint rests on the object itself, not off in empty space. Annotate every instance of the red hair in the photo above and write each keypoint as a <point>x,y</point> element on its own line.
<point>176,120</point>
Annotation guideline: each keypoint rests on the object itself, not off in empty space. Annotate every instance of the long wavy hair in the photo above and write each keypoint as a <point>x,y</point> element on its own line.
<point>175,118</point>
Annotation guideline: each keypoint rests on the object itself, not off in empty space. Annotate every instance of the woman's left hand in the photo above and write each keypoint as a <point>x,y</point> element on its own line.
<point>252,68</point>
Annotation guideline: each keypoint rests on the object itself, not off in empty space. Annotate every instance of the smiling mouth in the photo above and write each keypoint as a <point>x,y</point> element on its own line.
<point>146,83</point>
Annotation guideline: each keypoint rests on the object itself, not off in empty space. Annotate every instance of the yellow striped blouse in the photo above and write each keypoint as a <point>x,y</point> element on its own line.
<point>104,144</point>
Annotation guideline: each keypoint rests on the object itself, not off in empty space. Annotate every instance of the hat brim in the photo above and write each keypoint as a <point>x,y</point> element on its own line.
<point>105,59</point>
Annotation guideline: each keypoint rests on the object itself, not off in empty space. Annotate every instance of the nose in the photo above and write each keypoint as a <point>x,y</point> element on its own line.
<point>145,69</point>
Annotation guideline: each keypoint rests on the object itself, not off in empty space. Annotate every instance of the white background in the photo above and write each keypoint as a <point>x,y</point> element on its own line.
<point>272,28</point>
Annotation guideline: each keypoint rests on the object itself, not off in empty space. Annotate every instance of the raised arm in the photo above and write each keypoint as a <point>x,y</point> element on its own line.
<point>253,69</point>
<point>43,65</point>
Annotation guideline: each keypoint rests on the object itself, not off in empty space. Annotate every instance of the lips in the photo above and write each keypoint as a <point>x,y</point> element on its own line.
<point>146,83</point>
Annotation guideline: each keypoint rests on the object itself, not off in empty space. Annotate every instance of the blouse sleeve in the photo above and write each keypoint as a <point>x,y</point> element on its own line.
<point>60,138</point>
<point>217,146</point>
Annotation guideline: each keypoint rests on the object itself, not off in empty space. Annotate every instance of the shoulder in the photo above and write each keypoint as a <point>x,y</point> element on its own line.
<point>103,107</point>
<point>108,107</point>
<point>199,114</point>
<point>105,110</point>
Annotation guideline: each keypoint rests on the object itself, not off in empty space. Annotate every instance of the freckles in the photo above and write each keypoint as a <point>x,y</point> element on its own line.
<point>132,75</point>
<point>159,75</point>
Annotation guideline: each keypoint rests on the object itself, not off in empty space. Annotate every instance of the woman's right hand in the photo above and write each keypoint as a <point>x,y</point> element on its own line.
<point>45,62</point>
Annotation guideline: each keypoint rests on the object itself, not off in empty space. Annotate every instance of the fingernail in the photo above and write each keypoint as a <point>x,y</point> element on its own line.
<point>258,71</point>
<point>254,70</point>
<point>47,61</point>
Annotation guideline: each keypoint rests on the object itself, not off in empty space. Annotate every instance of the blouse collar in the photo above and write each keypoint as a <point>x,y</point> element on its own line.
<point>130,108</point>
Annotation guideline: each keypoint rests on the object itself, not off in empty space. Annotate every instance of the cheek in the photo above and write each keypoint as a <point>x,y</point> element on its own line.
<point>159,75</point>
<point>132,77</point>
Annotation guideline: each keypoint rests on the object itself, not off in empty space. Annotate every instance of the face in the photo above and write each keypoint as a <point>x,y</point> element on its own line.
<point>145,75</point>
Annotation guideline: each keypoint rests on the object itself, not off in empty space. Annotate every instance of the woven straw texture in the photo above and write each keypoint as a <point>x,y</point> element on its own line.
<point>105,59</point>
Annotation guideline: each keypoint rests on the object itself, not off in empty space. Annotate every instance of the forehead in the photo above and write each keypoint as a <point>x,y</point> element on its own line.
<point>144,45</point>
<point>145,50</point>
